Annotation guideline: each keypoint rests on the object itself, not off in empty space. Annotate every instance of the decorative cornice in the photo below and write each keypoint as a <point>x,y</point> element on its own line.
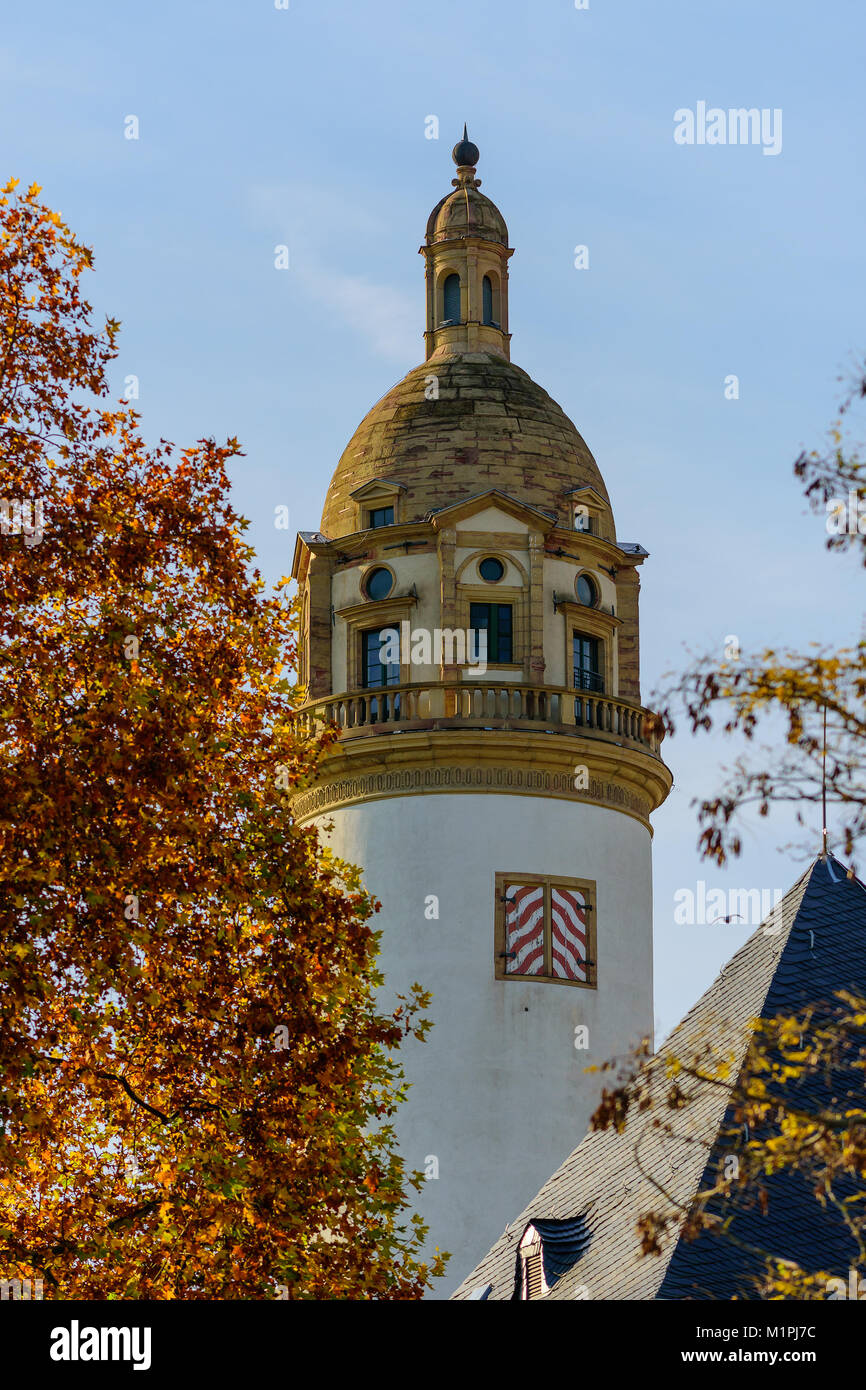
<point>494,497</point>
<point>398,605</point>
<point>375,486</point>
<point>454,761</point>
<point>592,618</point>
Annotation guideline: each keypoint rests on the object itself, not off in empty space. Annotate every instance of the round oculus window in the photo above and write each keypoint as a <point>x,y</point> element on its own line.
<point>379,583</point>
<point>586,592</point>
<point>491,569</point>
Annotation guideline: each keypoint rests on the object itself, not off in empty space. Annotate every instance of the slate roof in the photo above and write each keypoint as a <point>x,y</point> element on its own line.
<point>813,944</point>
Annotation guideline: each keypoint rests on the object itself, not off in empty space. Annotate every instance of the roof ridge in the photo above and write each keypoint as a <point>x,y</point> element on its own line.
<point>760,933</point>
<point>848,869</point>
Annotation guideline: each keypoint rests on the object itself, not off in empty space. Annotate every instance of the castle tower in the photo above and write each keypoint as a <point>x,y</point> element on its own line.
<point>470,623</point>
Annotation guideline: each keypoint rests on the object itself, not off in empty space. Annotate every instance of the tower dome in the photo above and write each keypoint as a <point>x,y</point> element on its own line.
<point>488,425</point>
<point>469,628</point>
<point>468,419</point>
<point>466,212</point>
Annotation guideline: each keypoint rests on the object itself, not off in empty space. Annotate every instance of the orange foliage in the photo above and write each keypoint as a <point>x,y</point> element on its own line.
<point>196,1081</point>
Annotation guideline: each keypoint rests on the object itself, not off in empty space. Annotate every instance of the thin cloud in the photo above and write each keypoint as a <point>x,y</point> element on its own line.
<point>385,318</point>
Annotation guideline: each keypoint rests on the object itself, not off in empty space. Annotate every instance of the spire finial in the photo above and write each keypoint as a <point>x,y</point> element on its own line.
<point>824,789</point>
<point>465,154</point>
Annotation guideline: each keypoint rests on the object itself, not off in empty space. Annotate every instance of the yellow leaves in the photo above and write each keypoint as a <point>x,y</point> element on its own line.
<point>168,1119</point>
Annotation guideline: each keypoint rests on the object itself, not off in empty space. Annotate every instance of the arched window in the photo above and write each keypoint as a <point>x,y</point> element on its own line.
<point>487,300</point>
<point>451,299</point>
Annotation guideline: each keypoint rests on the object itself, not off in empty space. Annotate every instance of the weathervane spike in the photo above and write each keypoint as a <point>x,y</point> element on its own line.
<point>824,787</point>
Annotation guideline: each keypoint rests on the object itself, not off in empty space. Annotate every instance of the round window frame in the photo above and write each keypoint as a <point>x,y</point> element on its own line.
<point>501,563</point>
<point>368,575</point>
<point>596,592</point>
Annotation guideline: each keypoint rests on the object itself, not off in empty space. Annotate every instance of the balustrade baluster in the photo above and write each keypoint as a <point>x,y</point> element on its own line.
<point>485,703</point>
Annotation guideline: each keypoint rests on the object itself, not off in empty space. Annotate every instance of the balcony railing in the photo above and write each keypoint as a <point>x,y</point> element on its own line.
<point>585,679</point>
<point>483,705</point>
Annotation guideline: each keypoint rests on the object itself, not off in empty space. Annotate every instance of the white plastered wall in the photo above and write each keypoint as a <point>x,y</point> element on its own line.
<point>499,1094</point>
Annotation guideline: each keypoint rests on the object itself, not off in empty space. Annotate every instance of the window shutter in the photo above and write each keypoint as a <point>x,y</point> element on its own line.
<point>534,1276</point>
<point>487,300</point>
<point>451,297</point>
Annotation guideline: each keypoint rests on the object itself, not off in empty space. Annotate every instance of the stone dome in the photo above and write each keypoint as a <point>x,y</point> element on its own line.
<point>492,426</point>
<point>466,212</point>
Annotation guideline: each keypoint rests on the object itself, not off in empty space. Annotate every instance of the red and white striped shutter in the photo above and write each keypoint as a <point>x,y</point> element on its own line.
<point>524,929</point>
<point>568,928</point>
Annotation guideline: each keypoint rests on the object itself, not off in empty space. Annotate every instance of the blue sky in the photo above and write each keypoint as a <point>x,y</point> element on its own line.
<point>306,127</point>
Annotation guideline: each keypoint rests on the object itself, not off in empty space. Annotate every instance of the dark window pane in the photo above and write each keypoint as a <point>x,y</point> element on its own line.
<point>495,619</point>
<point>382,516</point>
<point>503,633</point>
<point>587,664</point>
<point>479,615</point>
<point>491,569</point>
<point>586,591</point>
<point>379,642</point>
<point>379,583</point>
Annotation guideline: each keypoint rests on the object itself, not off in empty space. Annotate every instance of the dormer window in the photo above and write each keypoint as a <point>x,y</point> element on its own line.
<point>549,1249</point>
<point>587,508</point>
<point>532,1281</point>
<point>378,503</point>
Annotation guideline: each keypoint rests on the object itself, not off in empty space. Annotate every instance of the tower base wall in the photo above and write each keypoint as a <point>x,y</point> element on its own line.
<point>499,1094</point>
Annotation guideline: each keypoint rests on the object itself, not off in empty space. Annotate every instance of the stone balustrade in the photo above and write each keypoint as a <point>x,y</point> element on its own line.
<point>481,704</point>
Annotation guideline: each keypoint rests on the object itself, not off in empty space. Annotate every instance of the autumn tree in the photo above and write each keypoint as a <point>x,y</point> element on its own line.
<point>196,1084</point>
